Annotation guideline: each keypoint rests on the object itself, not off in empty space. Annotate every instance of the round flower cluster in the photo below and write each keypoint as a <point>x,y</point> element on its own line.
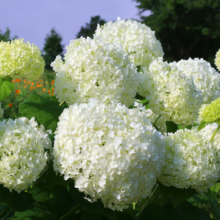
<point>172,94</point>
<point>137,39</point>
<point>217,59</point>
<point>205,77</point>
<point>1,111</point>
<point>19,59</point>
<point>210,113</point>
<point>94,69</point>
<point>22,156</point>
<point>191,160</point>
<point>113,153</point>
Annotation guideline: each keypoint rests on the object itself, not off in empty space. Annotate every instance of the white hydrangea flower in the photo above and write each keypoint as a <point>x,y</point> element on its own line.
<point>137,39</point>
<point>1,111</point>
<point>113,153</point>
<point>217,59</point>
<point>191,160</point>
<point>19,59</point>
<point>205,77</point>
<point>160,123</point>
<point>172,94</point>
<point>94,69</point>
<point>22,156</point>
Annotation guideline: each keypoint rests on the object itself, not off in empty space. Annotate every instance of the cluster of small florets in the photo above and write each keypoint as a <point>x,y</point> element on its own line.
<point>94,69</point>
<point>210,113</point>
<point>172,95</point>
<point>1,111</point>
<point>191,160</point>
<point>113,153</point>
<point>217,59</point>
<point>19,59</point>
<point>137,39</point>
<point>22,156</point>
<point>205,77</point>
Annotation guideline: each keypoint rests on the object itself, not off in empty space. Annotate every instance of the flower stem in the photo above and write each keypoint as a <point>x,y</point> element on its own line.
<point>213,136</point>
<point>69,212</point>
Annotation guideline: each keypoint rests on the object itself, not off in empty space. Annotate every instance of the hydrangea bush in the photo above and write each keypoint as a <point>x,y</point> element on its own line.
<point>126,136</point>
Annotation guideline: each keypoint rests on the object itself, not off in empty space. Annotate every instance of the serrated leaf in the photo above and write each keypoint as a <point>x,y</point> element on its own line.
<point>171,127</point>
<point>45,110</point>
<point>17,201</point>
<point>6,87</point>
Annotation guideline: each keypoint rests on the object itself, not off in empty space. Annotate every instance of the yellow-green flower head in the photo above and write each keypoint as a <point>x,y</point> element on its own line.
<point>19,59</point>
<point>217,59</point>
<point>210,113</point>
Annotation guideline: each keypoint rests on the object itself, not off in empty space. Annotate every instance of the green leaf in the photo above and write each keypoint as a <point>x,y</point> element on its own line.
<point>6,87</point>
<point>171,127</point>
<point>60,200</point>
<point>178,195</point>
<point>17,201</point>
<point>53,179</point>
<point>202,125</point>
<point>45,110</point>
<point>35,214</point>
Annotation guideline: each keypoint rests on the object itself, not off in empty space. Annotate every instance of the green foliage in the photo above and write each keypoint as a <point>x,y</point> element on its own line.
<point>45,110</point>
<point>6,87</point>
<point>52,48</point>
<point>171,127</point>
<point>90,28</point>
<point>184,28</point>
<point>16,201</point>
<point>6,36</point>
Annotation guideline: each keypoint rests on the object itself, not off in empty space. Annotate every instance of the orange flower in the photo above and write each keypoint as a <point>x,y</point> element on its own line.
<point>29,82</point>
<point>17,91</point>
<point>17,80</point>
<point>44,89</point>
<point>40,80</point>
<point>13,81</point>
<point>25,81</point>
<point>48,90</point>
<point>31,87</point>
<point>10,105</point>
<point>37,83</point>
<point>53,89</point>
<point>38,86</point>
<point>52,82</point>
<point>32,83</point>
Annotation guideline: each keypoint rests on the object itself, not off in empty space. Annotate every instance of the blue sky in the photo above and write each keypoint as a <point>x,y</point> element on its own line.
<point>33,19</point>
